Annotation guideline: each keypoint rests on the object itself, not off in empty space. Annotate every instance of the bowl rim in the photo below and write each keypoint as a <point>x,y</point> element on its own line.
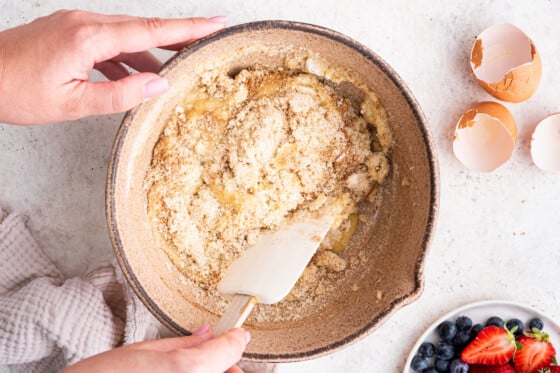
<point>433,170</point>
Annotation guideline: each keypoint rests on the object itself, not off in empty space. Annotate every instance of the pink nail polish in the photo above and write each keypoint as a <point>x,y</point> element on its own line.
<point>202,330</point>
<point>218,19</point>
<point>248,336</point>
<point>155,87</point>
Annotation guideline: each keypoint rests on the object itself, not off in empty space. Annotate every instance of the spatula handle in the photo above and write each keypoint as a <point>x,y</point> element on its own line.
<point>236,313</point>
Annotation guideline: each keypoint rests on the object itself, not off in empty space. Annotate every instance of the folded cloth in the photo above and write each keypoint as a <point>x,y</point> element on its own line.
<point>48,322</point>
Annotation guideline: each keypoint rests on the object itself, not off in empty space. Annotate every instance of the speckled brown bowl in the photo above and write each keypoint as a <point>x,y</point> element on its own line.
<point>397,237</point>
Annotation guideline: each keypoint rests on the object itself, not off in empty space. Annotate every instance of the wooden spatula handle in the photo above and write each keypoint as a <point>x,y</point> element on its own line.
<point>236,313</point>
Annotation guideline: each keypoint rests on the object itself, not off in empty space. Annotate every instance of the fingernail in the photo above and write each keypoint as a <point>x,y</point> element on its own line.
<point>155,87</point>
<point>248,336</point>
<point>218,19</point>
<point>202,330</point>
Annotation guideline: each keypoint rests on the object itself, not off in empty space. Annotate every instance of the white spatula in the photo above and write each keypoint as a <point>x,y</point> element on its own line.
<point>267,272</point>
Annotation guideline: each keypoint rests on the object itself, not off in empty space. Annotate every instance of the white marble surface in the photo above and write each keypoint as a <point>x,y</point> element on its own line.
<point>497,233</point>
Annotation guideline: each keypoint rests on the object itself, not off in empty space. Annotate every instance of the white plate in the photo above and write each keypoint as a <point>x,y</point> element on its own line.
<point>480,312</point>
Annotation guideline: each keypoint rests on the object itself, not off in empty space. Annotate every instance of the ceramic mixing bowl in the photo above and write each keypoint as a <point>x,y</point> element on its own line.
<point>395,239</point>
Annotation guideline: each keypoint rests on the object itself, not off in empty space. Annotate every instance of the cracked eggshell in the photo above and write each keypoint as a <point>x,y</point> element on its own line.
<point>506,63</point>
<point>545,143</point>
<point>485,137</point>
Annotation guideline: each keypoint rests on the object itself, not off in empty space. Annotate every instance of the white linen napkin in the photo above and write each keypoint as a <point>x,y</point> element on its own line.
<point>48,322</point>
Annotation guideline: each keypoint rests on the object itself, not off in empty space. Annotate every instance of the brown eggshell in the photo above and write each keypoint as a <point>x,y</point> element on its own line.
<point>506,63</point>
<point>485,137</point>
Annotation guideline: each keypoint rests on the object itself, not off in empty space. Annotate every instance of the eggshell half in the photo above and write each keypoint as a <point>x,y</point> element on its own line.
<point>545,143</point>
<point>485,137</point>
<point>506,63</point>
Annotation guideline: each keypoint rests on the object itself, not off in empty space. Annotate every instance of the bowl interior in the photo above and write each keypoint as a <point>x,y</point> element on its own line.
<point>396,238</point>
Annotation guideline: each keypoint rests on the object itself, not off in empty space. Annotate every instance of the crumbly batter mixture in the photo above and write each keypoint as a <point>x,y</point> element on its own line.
<point>244,154</point>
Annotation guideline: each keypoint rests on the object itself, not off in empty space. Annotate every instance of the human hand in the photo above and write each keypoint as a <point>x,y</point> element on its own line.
<point>199,353</point>
<point>44,65</point>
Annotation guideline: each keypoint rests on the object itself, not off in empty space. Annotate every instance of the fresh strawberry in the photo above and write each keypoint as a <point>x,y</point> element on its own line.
<point>504,368</point>
<point>550,369</point>
<point>492,346</point>
<point>536,352</point>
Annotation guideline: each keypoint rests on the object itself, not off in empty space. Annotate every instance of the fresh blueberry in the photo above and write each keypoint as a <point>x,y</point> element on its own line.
<point>475,330</point>
<point>444,350</point>
<point>447,330</point>
<point>419,364</point>
<point>460,340</point>
<point>426,349</point>
<point>458,366</point>
<point>431,370</point>
<point>517,325</point>
<point>495,321</point>
<point>463,323</point>
<point>536,323</point>
<point>441,365</point>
